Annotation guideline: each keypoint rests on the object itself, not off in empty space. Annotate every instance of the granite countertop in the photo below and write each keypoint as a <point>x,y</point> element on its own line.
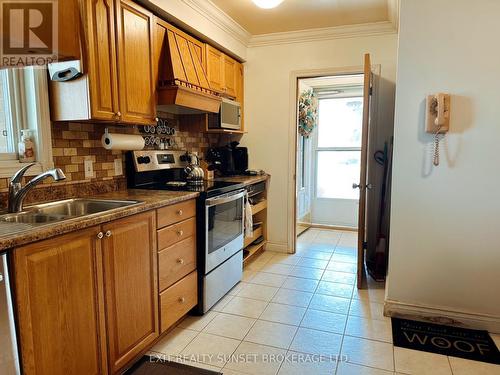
<point>150,199</point>
<point>245,180</point>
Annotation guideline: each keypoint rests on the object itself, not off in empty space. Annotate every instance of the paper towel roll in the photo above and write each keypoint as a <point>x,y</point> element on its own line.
<point>127,142</point>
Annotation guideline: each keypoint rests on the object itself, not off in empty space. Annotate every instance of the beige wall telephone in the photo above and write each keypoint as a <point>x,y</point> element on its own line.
<point>437,120</point>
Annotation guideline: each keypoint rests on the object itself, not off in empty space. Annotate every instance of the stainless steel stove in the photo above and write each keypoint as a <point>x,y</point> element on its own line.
<point>220,219</point>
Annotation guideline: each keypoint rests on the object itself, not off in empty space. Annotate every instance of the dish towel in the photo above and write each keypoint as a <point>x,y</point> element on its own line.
<point>248,218</point>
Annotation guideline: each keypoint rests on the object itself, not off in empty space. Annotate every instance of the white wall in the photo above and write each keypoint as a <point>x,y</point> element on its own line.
<point>445,234</point>
<point>268,108</point>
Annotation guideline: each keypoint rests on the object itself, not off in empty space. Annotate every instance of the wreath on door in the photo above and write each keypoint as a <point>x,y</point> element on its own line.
<point>308,113</point>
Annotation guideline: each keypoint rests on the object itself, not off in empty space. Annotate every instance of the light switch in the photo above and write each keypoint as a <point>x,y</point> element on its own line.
<point>89,168</point>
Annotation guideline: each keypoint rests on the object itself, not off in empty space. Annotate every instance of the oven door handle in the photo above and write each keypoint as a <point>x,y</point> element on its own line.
<point>225,198</point>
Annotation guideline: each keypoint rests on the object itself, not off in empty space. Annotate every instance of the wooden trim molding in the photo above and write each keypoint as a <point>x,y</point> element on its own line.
<point>280,247</point>
<point>441,315</point>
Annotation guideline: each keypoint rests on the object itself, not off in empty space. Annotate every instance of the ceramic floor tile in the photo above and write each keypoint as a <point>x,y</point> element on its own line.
<point>371,294</point>
<point>339,277</point>
<point>299,283</point>
<point>366,309</point>
<point>197,323</point>
<point>415,362</point>
<point>368,353</point>
<point>222,303</point>
<point>369,328</point>
<point>299,364</point>
<point>292,297</point>
<point>199,365</point>
<point>260,292</point>
<point>336,257</point>
<point>248,275</point>
<point>316,342</point>
<point>251,308</point>
<point>227,325</point>
<point>313,263</point>
<point>279,269</point>
<point>322,247</point>
<point>342,267</point>
<point>346,368</point>
<point>317,255</point>
<point>174,342</point>
<point>285,259</point>
<point>306,272</point>
<point>238,287</point>
<point>269,279</point>
<point>210,349</point>
<point>271,333</point>
<point>255,359</point>
<point>335,289</point>
<point>324,321</point>
<point>330,303</point>
<point>285,314</point>
<point>460,366</point>
<point>353,251</point>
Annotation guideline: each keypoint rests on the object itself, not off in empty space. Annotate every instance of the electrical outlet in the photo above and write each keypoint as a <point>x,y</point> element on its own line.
<point>118,167</point>
<point>89,168</point>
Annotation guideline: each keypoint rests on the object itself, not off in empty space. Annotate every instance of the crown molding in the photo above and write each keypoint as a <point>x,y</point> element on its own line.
<point>217,16</point>
<point>393,12</point>
<point>312,35</point>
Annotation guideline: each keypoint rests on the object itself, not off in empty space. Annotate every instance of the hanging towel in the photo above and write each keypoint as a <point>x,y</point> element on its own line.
<point>248,218</point>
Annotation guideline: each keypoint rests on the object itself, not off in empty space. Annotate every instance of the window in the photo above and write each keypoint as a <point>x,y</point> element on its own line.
<point>338,151</point>
<point>24,104</point>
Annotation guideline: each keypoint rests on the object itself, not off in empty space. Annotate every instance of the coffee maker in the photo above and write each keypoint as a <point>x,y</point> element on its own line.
<point>229,160</point>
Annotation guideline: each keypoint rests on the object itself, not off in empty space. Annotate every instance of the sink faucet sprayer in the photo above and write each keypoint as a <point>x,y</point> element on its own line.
<point>17,193</point>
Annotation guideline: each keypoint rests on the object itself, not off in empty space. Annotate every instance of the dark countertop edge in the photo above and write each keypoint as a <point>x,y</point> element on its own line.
<point>244,179</point>
<point>47,231</point>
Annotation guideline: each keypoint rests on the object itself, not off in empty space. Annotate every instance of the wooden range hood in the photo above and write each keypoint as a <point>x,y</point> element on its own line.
<point>183,87</point>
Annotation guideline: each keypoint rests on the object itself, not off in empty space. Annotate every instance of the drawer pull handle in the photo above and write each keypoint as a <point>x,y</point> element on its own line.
<point>179,212</point>
<point>180,261</point>
<point>182,300</point>
<point>180,233</point>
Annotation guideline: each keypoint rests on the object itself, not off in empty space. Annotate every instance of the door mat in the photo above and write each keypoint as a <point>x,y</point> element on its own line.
<point>453,341</point>
<point>154,366</point>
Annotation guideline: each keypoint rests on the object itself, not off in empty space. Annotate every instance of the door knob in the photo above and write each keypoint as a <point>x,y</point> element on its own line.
<point>356,186</point>
<point>369,186</point>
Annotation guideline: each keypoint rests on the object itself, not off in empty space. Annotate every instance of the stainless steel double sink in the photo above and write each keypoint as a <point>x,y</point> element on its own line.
<point>53,212</point>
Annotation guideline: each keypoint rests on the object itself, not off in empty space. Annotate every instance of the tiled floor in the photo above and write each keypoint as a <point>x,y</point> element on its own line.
<point>292,313</point>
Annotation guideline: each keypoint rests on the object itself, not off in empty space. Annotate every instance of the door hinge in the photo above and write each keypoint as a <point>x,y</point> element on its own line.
<point>365,245</point>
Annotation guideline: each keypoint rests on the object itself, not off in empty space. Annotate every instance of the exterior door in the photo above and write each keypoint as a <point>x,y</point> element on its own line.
<point>131,287</point>
<point>363,184</point>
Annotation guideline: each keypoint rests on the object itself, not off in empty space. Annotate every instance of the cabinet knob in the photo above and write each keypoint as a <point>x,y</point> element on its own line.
<point>179,212</point>
<point>100,235</point>
<point>182,300</point>
<point>180,233</point>
<point>180,261</point>
<point>118,114</point>
<point>108,233</point>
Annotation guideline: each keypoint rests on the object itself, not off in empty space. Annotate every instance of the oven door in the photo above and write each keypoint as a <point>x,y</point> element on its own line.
<point>224,228</point>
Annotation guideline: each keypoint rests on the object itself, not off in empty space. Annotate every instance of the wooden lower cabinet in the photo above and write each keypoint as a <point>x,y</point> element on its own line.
<point>59,305</point>
<point>131,287</point>
<point>176,301</point>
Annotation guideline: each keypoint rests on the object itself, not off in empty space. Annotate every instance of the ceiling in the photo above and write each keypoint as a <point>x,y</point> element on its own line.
<point>293,15</point>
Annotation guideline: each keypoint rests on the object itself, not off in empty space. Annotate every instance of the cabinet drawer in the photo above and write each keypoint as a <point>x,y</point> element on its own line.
<point>175,233</point>
<point>176,261</point>
<point>175,213</point>
<point>176,301</point>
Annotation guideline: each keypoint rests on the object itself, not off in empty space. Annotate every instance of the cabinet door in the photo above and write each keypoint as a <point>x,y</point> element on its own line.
<point>240,88</point>
<point>230,70</point>
<point>100,50</point>
<point>59,305</point>
<point>215,68</point>
<point>135,63</point>
<point>131,287</point>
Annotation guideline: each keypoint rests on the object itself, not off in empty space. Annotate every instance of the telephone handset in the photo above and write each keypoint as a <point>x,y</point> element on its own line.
<point>437,119</point>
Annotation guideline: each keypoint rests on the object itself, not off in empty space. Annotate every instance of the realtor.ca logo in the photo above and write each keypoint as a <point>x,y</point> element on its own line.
<point>29,32</point>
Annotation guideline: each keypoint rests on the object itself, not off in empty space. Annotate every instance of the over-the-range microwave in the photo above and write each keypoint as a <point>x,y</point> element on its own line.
<point>229,116</point>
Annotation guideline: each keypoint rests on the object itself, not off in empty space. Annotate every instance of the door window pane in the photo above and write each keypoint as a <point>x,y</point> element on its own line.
<point>337,171</point>
<point>340,122</point>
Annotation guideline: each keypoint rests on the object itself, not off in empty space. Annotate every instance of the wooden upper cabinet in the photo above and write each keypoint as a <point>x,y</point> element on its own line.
<point>230,72</point>
<point>59,305</point>
<point>99,19</point>
<point>69,30</point>
<point>240,91</point>
<point>134,28</point>
<point>131,287</point>
<point>215,68</point>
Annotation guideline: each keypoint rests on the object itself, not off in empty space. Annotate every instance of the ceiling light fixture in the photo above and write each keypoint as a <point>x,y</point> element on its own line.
<point>267,4</point>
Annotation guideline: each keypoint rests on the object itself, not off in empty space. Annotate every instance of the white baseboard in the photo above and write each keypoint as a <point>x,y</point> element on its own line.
<point>441,316</point>
<point>280,247</point>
